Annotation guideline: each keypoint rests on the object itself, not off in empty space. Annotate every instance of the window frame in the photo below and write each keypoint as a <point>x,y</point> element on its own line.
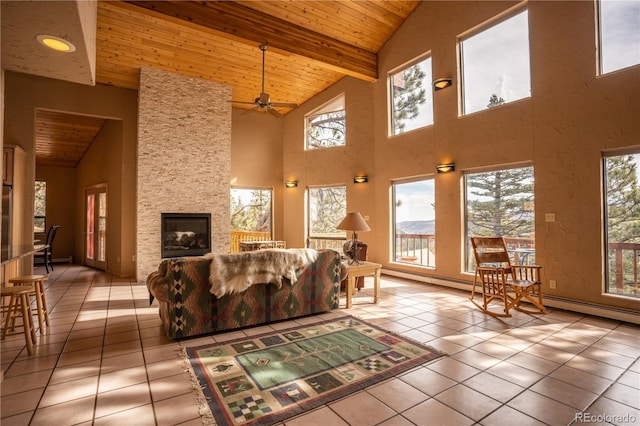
<point>487,25</point>
<point>339,234</point>
<point>392,257</point>
<point>390,93</point>
<point>606,284</point>
<point>468,266</point>
<point>257,188</point>
<point>600,44</point>
<point>335,105</point>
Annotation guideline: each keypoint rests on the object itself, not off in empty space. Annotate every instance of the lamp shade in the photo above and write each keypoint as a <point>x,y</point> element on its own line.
<point>354,222</point>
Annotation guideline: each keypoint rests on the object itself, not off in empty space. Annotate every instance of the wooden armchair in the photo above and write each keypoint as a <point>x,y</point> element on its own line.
<point>509,284</point>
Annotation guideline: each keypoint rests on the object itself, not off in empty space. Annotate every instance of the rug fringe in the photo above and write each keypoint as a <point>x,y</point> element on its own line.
<point>201,400</point>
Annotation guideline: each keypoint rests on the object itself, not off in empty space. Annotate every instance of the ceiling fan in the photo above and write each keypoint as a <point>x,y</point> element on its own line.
<point>263,102</point>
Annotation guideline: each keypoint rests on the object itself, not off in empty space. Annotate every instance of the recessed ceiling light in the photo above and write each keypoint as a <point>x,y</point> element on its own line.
<point>56,43</point>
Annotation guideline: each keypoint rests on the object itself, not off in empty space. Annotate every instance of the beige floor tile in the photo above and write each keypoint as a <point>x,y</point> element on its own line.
<point>167,414</point>
<point>67,391</point>
<point>138,416</point>
<point>19,403</point>
<point>476,359</point>
<point>75,371</point>
<point>507,416</point>
<point>436,414</point>
<point>494,387</point>
<point>170,386</point>
<point>398,420</point>
<point>397,394</point>
<point>624,394</point>
<point>565,393</point>
<point>122,378</point>
<point>323,416</point>
<point>427,381</point>
<point>25,382</point>
<point>609,408</point>
<point>122,399</point>
<point>542,408</point>
<point>362,409</point>
<point>18,420</point>
<point>581,379</point>
<point>534,363</point>
<point>467,401</point>
<point>455,370</point>
<point>631,379</point>
<point>515,374</point>
<point>120,362</point>
<point>66,413</point>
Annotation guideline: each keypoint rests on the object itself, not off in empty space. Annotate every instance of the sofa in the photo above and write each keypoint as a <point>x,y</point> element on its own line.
<point>187,307</point>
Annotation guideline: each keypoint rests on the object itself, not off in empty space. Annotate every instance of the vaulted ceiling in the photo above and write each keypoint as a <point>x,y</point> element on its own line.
<point>311,44</point>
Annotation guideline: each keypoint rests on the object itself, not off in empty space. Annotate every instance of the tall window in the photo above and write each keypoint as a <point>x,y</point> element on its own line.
<point>326,207</point>
<point>622,223</point>
<point>40,207</point>
<point>326,126</point>
<point>495,64</point>
<point>619,34</point>
<point>415,222</point>
<point>251,213</point>
<point>501,203</point>
<point>411,97</point>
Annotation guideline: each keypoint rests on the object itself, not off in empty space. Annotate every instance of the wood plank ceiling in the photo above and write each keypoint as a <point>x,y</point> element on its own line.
<point>312,45</point>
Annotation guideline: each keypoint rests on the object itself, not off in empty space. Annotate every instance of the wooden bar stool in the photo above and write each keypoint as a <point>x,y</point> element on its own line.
<point>19,306</point>
<point>37,283</point>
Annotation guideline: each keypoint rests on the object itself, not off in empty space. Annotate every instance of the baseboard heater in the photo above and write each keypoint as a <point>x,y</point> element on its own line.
<point>620,314</point>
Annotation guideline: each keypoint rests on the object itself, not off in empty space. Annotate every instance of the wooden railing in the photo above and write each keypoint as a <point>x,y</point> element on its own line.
<point>319,243</point>
<point>237,236</point>
<point>417,249</point>
<point>619,252</point>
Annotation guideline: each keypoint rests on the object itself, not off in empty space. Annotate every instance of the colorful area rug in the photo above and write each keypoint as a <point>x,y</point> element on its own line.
<point>264,379</point>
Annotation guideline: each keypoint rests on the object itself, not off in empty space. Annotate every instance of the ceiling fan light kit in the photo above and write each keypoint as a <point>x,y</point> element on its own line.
<point>263,102</point>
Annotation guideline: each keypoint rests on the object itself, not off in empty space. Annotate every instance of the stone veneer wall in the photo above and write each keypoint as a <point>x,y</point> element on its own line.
<point>183,160</point>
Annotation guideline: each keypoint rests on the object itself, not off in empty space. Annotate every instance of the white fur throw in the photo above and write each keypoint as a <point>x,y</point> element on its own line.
<point>234,273</point>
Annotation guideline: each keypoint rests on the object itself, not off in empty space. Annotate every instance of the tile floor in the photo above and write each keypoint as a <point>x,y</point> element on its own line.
<point>104,360</point>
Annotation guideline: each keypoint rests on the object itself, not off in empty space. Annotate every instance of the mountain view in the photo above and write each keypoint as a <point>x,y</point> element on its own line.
<point>416,227</point>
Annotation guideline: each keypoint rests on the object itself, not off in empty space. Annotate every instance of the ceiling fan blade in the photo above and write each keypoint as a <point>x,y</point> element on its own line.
<point>246,111</point>
<point>242,102</point>
<point>274,112</point>
<point>284,105</point>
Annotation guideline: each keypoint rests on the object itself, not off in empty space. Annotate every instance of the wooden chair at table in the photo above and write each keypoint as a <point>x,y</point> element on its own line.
<point>46,255</point>
<point>501,281</point>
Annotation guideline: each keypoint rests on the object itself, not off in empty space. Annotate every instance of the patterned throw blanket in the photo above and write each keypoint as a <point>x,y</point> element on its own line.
<point>234,273</point>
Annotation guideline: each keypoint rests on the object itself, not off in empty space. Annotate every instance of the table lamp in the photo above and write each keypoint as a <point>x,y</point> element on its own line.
<point>354,222</point>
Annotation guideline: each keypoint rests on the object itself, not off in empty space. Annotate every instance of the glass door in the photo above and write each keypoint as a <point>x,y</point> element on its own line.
<point>96,227</point>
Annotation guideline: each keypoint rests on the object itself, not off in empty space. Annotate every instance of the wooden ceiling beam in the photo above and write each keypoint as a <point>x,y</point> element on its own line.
<point>245,23</point>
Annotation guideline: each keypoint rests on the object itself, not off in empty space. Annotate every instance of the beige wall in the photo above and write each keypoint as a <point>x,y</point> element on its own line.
<point>256,158</point>
<point>562,130</point>
<point>23,95</point>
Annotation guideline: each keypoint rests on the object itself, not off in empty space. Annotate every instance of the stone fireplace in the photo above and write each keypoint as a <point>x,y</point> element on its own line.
<point>183,160</point>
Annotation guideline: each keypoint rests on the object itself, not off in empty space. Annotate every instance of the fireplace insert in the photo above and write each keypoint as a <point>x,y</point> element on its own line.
<point>185,234</point>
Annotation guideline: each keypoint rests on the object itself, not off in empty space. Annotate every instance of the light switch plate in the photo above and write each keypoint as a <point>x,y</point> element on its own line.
<point>549,217</point>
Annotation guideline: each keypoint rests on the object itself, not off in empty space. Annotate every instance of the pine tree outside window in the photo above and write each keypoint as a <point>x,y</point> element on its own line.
<point>500,203</point>
<point>622,223</point>
<point>251,211</point>
<point>325,127</point>
<point>40,208</point>
<point>411,97</point>
<point>326,207</point>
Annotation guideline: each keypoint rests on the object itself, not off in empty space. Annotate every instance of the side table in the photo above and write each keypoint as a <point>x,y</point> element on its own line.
<point>362,269</point>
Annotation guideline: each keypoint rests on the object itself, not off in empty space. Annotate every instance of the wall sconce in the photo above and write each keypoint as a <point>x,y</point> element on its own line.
<point>361,179</point>
<point>291,184</point>
<point>445,168</point>
<point>441,83</point>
